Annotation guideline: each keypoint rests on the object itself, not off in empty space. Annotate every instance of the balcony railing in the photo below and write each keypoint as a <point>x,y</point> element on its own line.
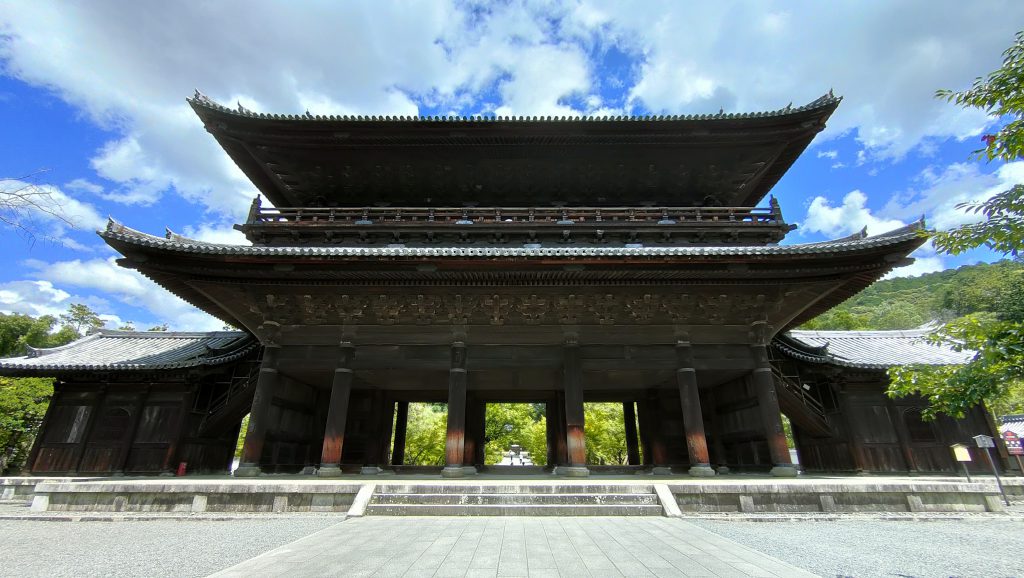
<point>533,216</point>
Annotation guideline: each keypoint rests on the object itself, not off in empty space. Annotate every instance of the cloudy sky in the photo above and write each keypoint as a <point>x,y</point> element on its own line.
<point>92,105</point>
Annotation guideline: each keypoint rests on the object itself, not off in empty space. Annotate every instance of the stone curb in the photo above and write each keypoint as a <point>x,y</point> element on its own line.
<point>99,517</point>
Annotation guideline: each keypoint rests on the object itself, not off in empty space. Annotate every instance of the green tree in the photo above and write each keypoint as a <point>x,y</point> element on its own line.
<point>81,319</point>
<point>161,327</point>
<point>996,372</point>
<point>23,404</point>
<point>515,423</point>
<point>605,433</point>
<point>425,434</point>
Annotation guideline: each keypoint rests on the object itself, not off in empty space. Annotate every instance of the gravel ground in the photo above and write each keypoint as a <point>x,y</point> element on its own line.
<point>974,547</point>
<point>150,548</point>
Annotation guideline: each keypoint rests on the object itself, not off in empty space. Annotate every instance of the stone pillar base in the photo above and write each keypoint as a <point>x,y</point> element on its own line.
<point>248,471</point>
<point>454,472</point>
<point>661,471</point>
<point>369,470</point>
<point>573,471</point>
<point>329,471</point>
<point>722,470</point>
<point>784,471</point>
<point>469,470</point>
<point>701,471</point>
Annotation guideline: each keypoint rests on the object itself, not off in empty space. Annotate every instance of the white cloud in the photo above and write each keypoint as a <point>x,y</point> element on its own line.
<point>942,189</point>
<point>920,266</point>
<point>129,66</point>
<point>223,234</point>
<point>849,217</point>
<point>829,154</point>
<point>35,298</point>
<point>128,287</point>
<point>885,58</point>
<point>838,165</point>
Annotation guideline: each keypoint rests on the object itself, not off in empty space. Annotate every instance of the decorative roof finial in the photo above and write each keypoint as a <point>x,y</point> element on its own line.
<point>241,108</point>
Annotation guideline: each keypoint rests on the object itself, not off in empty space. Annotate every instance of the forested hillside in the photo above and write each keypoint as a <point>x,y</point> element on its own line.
<point>908,302</point>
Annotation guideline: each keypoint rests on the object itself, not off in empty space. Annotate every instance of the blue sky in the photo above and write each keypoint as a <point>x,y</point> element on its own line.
<point>92,106</point>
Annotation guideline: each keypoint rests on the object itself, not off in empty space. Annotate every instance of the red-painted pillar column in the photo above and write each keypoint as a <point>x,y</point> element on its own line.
<point>455,441</point>
<point>252,450</point>
<point>771,417</point>
<point>572,382</point>
<point>337,414</point>
<point>693,420</point>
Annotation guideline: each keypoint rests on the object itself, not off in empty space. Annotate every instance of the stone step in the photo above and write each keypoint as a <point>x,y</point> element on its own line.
<point>518,499</point>
<point>511,510</point>
<point>527,489</point>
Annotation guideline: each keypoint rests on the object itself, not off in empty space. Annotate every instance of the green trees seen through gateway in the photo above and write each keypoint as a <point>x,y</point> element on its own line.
<point>515,423</point>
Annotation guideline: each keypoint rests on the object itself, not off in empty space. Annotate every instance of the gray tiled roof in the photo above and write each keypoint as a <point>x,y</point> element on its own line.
<point>203,101</point>
<point>135,350</point>
<point>118,232</point>
<point>872,349</point>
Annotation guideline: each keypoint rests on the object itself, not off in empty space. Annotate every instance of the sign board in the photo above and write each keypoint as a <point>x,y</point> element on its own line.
<point>984,441</point>
<point>1013,446</point>
<point>961,452</point>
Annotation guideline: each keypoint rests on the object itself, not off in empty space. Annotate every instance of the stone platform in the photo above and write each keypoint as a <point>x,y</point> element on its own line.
<point>511,495</point>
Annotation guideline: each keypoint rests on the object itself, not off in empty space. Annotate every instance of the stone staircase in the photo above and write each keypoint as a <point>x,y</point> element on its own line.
<point>514,500</point>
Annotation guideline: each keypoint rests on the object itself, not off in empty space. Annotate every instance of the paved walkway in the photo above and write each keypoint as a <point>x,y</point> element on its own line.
<point>536,547</point>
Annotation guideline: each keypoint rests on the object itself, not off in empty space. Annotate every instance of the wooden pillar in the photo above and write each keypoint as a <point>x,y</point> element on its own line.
<point>693,419</point>
<point>375,442</point>
<point>252,450</point>
<point>386,425</point>
<point>632,443</point>
<point>455,440</point>
<point>643,418</point>
<point>771,417</point>
<point>337,413</point>
<point>650,422</point>
<point>572,383</point>
<point>717,449</point>
<point>561,449</point>
<point>401,425</point>
<point>551,432</point>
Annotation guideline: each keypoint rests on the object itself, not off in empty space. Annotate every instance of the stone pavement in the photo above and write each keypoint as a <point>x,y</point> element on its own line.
<point>536,547</point>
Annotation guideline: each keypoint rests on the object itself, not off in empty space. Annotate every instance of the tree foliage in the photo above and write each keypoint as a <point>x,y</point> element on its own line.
<point>425,434</point>
<point>996,371</point>
<point>81,319</point>
<point>23,403</point>
<point>515,423</point>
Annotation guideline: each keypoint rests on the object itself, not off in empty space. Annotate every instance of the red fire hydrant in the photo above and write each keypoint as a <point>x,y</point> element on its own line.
<point>181,468</point>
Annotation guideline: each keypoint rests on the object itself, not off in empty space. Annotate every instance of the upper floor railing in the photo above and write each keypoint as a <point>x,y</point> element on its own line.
<point>534,216</point>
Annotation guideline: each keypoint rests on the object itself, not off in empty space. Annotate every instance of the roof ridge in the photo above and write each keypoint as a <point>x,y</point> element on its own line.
<point>202,101</point>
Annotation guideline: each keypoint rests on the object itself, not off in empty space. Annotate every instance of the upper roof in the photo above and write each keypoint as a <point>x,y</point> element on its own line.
<point>717,159</point>
<point>108,350</point>
<point>869,349</point>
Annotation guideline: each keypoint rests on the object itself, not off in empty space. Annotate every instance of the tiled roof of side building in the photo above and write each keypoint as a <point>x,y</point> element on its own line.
<point>109,350</point>
<point>117,232</point>
<point>869,349</point>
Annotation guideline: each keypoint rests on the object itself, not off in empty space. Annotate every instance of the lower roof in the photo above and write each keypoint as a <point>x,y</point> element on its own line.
<point>869,349</point>
<point>110,350</point>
